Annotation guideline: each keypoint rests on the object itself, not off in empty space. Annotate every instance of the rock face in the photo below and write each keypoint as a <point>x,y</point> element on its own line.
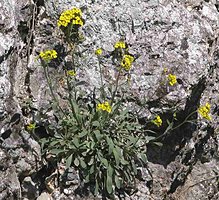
<point>177,37</point>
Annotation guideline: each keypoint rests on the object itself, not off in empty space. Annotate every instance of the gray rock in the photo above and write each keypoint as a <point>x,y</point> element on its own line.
<point>181,36</point>
<point>44,196</point>
<point>29,189</point>
<point>203,178</point>
<point>9,185</point>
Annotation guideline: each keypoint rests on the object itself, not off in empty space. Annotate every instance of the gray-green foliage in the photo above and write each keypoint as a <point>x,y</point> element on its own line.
<point>106,146</point>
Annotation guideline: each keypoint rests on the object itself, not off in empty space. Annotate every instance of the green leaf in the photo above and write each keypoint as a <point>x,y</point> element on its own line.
<point>76,108</point>
<point>111,144</point>
<point>92,144</point>
<point>124,162</point>
<point>118,182</point>
<point>116,107</point>
<point>72,147</point>
<point>53,143</point>
<point>116,155</point>
<point>143,157</point>
<point>124,112</point>
<point>91,169</point>
<point>109,181</point>
<point>56,135</point>
<point>133,139</point>
<point>118,150</point>
<point>82,134</point>
<point>96,188</point>
<point>97,134</point>
<point>148,138</point>
<point>43,141</point>
<point>127,175</point>
<point>87,178</point>
<point>69,161</point>
<point>56,151</point>
<point>96,123</point>
<point>76,142</point>
<point>91,161</point>
<point>76,162</point>
<point>158,144</point>
<point>83,164</point>
<point>87,144</point>
<point>104,161</point>
<point>134,167</point>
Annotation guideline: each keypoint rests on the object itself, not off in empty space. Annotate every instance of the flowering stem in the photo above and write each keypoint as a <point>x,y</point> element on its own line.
<point>169,128</point>
<point>101,79</point>
<point>68,36</point>
<point>70,100</point>
<point>185,121</point>
<point>51,89</point>
<point>117,83</point>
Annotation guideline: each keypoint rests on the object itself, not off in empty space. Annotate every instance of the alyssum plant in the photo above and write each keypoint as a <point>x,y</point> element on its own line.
<point>100,137</point>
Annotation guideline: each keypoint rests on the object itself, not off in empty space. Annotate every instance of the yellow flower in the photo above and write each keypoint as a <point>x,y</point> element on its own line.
<point>120,44</point>
<point>78,21</point>
<point>157,121</point>
<point>127,61</point>
<point>31,126</point>
<point>73,15</point>
<point>76,12</point>
<point>48,55</point>
<point>100,106</point>
<point>71,73</point>
<point>204,111</point>
<point>165,70</point>
<point>172,79</point>
<point>98,51</point>
<point>104,106</point>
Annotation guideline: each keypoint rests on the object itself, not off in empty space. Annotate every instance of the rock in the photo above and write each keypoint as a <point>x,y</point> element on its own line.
<point>201,183</point>
<point>10,185</point>
<point>177,37</point>
<point>44,196</point>
<point>29,189</point>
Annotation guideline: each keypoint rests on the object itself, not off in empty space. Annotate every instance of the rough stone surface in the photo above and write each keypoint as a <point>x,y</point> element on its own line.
<point>178,36</point>
<point>10,185</point>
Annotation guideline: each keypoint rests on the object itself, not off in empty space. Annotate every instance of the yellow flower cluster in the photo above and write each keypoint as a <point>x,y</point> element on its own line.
<point>31,126</point>
<point>73,16</point>
<point>104,106</point>
<point>157,121</point>
<point>127,61</point>
<point>120,45</point>
<point>98,51</point>
<point>48,55</point>
<point>165,70</point>
<point>71,73</point>
<point>204,111</point>
<point>172,79</point>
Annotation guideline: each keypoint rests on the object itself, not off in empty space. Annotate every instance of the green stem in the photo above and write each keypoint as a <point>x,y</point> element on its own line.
<point>101,79</point>
<point>69,30</point>
<point>186,120</point>
<point>171,129</point>
<point>115,91</point>
<point>70,97</point>
<point>51,89</point>
<point>70,100</point>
